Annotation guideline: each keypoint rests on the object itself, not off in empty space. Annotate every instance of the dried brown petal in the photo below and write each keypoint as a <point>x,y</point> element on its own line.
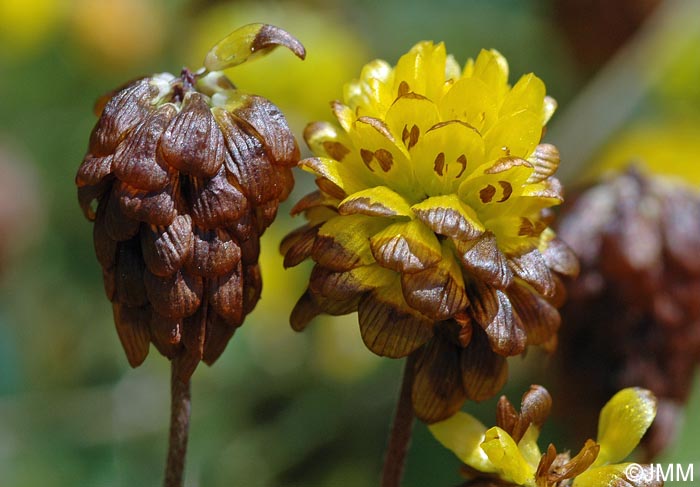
<point>193,143</point>
<point>406,247</point>
<point>545,160</point>
<point>88,195</point>
<point>506,415</point>
<point>105,246</point>
<point>484,301</point>
<point>132,328</point>
<point>296,246</point>
<point>226,296</point>
<point>560,258</point>
<point>121,114</point>
<point>252,281</point>
<point>193,335</point>
<point>484,373</point>
<point>175,296</point>
<point>505,331</point>
<point>577,465</point>
<point>247,161</point>
<point>304,311</point>
<point>165,249</point>
<point>215,202</point>
<point>483,259</point>
<point>136,160</point>
<point>438,391</point>
<point>93,170</point>
<point>269,123</point>
<point>218,333</point>
<point>129,270</point>
<point>534,409</point>
<point>117,225</point>
<point>214,253</point>
<point>156,208</point>
<point>532,268</point>
<point>390,330</point>
<point>539,318</point>
<point>166,334</point>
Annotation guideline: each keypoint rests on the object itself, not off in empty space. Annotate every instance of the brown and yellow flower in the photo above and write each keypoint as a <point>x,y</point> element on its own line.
<point>182,176</point>
<point>431,220</point>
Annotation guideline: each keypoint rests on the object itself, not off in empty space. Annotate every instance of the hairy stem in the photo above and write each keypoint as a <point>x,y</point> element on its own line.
<point>179,427</point>
<point>401,429</point>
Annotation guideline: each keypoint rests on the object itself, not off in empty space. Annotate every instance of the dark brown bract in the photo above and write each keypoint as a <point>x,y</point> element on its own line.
<point>633,316</point>
<point>182,177</point>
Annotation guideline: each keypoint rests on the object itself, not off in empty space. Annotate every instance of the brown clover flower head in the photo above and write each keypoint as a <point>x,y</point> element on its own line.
<point>633,316</point>
<point>182,176</point>
<point>431,221</point>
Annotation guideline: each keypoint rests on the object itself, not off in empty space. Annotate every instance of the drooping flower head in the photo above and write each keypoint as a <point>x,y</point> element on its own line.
<point>431,220</point>
<point>633,316</point>
<point>182,176</point>
<point>508,454</point>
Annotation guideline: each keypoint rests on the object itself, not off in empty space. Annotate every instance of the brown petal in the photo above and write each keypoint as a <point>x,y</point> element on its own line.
<point>215,202</point>
<point>166,334</point>
<point>335,285</point>
<point>93,170</point>
<point>505,332</point>
<point>252,287</point>
<point>165,249</point>
<point>312,200</point>
<point>109,279</point>
<point>122,113</point>
<point>483,301</point>
<point>681,224</point>
<point>218,334</point>
<point>129,270</point>
<point>269,123</point>
<point>484,373</point>
<point>304,311</point>
<point>389,330</point>
<point>534,409</point>
<point>539,318</point>
<point>132,328</point>
<point>579,464</point>
<point>105,246</point>
<point>343,243</point>
<point>174,296</point>
<point>532,268</point>
<point>117,224</point>
<point>560,258</point>
<point>438,391</point>
<point>437,292</point>
<point>88,195</point>
<point>484,260</point>
<point>265,214</point>
<point>545,160</point>
<point>193,335</point>
<point>193,143</point>
<point>406,247</point>
<point>247,161</point>
<point>449,222</point>
<point>226,296</point>
<point>156,208</point>
<point>136,159</point>
<point>285,175</point>
<point>506,415</point>
<point>296,246</point>
<point>214,253</point>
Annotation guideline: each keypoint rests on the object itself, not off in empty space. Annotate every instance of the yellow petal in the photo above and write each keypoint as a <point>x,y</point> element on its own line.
<point>248,42</point>
<point>447,215</point>
<point>623,421</point>
<point>492,68</point>
<point>617,476</point>
<point>377,201</point>
<point>342,242</point>
<point>470,100</point>
<point>507,458</point>
<point>527,94</point>
<point>528,445</point>
<point>338,173</point>
<point>514,136</point>
<point>407,112</point>
<point>422,69</point>
<point>463,434</point>
<point>406,247</point>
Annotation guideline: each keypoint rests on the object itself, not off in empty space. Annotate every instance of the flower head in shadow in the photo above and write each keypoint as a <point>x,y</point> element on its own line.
<point>508,454</point>
<point>431,220</point>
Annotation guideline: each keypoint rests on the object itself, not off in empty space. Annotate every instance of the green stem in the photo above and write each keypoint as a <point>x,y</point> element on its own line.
<point>401,429</point>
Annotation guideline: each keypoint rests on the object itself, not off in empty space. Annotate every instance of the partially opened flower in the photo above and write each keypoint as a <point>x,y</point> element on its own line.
<point>633,316</point>
<point>431,221</point>
<point>508,454</point>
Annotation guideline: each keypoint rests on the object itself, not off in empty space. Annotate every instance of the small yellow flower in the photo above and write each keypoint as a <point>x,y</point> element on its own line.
<point>508,454</point>
<point>431,221</point>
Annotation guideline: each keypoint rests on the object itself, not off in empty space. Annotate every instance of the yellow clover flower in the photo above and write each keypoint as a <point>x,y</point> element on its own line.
<point>431,217</point>
<point>508,454</point>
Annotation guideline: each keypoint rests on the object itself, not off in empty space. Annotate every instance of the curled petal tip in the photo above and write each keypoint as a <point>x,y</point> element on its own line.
<point>248,42</point>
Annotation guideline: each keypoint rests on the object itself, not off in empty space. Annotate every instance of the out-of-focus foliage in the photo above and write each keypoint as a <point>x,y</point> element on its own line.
<point>280,409</point>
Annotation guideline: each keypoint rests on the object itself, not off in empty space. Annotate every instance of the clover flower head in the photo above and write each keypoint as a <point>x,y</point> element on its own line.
<point>431,220</point>
<point>182,176</point>
<point>508,454</point>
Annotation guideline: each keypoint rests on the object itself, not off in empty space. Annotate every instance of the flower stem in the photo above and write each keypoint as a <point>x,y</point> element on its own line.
<point>400,436</point>
<point>179,427</point>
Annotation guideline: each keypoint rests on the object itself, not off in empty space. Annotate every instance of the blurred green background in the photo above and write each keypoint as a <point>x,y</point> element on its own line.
<point>278,409</point>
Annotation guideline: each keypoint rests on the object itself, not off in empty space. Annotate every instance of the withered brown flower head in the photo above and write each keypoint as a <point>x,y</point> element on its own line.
<point>431,221</point>
<point>633,316</point>
<point>182,176</point>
